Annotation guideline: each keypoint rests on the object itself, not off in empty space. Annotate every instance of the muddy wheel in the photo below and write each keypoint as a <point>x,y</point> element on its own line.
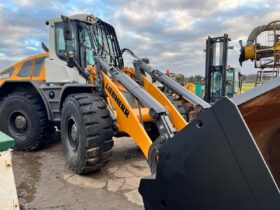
<point>86,131</point>
<point>23,117</point>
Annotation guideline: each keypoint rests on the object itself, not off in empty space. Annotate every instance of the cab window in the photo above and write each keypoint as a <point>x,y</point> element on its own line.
<point>216,85</point>
<point>230,83</point>
<point>237,85</point>
<point>26,69</point>
<point>86,53</point>
<point>61,47</point>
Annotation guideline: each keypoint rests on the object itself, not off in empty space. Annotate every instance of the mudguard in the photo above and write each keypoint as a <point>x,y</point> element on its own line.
<point>212,164</point>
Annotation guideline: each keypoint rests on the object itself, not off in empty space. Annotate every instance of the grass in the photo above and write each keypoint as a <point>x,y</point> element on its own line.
<point>247,86</point>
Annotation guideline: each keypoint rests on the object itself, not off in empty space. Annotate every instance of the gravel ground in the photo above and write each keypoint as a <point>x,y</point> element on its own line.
<point>44,182</point>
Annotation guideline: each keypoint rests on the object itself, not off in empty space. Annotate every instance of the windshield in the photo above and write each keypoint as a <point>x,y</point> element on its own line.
<point>230,83</point>
<point>88,41</point>
<point>237,82</point>
<point>106,43</point>
<point>216,86</point>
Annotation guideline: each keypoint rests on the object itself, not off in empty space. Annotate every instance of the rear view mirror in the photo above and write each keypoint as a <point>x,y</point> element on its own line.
<point>70,59</point>
<point>44,46</point>
<point>67,28</point>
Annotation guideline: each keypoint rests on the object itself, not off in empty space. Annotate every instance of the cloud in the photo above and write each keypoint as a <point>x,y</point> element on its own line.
<point>27,4</point>
<point>171,34</point>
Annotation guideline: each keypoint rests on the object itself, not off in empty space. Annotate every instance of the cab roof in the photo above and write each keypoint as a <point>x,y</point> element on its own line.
<point>88,18</point>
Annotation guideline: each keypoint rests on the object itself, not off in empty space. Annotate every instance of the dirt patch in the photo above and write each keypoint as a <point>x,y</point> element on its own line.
<point>44,182</point>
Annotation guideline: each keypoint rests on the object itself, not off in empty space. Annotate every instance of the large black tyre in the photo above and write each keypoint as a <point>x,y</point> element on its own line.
<point>86,131</point>
<point>24,118</point>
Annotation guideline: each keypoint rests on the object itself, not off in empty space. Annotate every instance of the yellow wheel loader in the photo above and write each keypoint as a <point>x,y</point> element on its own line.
<point>227,158</point>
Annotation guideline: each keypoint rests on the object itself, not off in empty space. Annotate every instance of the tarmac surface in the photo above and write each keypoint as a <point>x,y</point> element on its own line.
<point>44,182</point>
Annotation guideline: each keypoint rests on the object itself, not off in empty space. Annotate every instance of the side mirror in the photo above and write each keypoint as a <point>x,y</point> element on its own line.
<point>71,63</point>
<point>70,59</point>
<point>67,28</point>
<point>146,60</point>
<point>44,46</point>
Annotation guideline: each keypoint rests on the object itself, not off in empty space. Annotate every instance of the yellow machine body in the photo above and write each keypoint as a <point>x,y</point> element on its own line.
<point>136,118</point>
<point>249,52</point>
<point>14,72</point>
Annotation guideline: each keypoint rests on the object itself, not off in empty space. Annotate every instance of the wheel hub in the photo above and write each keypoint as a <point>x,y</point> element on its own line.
<point>18,125</point>
<point>74,132</point>
<point>20,122</point>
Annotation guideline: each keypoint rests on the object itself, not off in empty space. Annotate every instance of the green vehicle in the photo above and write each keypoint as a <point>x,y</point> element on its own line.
<point>6,142</point>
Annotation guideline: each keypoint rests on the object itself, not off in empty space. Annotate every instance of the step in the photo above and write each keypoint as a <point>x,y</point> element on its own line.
<point>54,101</point>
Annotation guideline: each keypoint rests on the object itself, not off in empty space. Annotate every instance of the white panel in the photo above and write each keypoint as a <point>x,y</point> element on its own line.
<point>58,72</point>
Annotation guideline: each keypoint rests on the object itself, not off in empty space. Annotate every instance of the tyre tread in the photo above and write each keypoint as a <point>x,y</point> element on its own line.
<point>98,132</point>
<point>46,128</point>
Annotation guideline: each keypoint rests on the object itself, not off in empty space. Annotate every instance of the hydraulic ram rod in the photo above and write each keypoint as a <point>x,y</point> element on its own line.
<point>170,84</point>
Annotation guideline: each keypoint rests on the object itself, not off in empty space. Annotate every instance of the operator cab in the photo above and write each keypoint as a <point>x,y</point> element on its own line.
<point>233,84</point>
<point>83,36</point>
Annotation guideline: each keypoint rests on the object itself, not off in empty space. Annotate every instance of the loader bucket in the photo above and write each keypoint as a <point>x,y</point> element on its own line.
<point>221,160</point>
<point>260,109</point>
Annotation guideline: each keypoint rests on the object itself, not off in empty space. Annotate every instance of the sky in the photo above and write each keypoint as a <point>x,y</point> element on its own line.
<point>170,33</point>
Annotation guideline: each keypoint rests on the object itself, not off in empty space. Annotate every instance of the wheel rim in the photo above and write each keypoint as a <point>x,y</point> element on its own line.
<point>72,133</point>
<point>18,124</point>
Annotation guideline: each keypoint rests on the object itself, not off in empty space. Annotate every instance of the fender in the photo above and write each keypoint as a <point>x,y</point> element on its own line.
<point>9,86</point>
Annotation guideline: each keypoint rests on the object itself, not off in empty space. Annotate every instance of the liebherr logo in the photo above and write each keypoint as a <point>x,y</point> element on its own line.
<point>4,76</point>
<point>117,100</point>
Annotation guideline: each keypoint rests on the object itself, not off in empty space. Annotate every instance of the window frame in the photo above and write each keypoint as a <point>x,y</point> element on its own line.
<point>81,28</point>
<point>38,66</point>
<point>77,50</point>
<point>20,71</point>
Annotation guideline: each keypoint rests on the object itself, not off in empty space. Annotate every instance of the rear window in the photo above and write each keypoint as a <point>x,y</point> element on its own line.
<point>38,66</point>
<point>26,69</point>
<point>7,73</point>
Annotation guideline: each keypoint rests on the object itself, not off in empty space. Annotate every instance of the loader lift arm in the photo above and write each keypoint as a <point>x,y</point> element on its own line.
<point>141,67</point>
<point>157,111</point>
<point>170,83</point>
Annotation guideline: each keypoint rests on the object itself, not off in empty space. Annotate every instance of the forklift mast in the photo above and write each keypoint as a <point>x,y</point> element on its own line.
<point>216,68</point>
